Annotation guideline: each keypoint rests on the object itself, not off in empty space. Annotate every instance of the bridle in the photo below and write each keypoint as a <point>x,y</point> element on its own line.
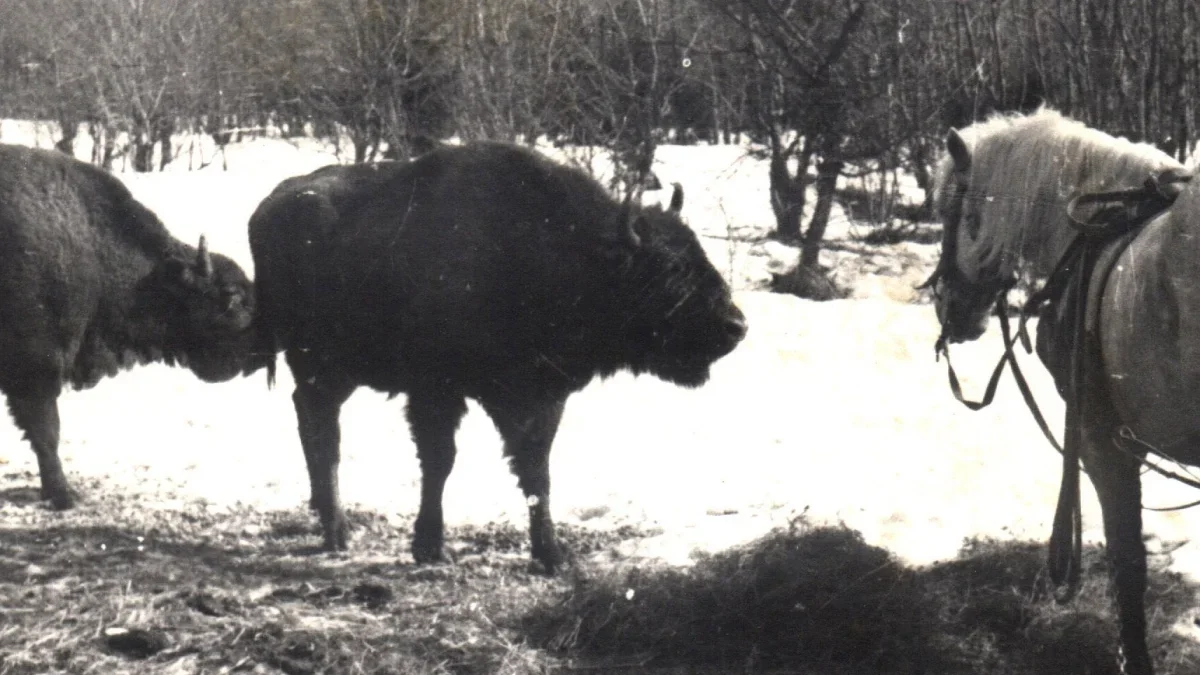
<point>949,272</point>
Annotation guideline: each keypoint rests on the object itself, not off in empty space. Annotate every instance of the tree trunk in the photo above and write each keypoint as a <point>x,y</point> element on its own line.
<point>787,191</point>
<point>163,130</point>
<point>783,198</point>
<point>142,140</point>
<point>70,129</point>
<point>360,148</point>
<point>920,169</point>
<point>104,144</point>
<point>97,133</point>
<point>828,171</point>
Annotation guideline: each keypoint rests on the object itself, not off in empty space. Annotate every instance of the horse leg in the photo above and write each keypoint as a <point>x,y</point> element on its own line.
<point>318,399</point>
<point>37,416</point>
<point>433,418</point>
<point>528,432</point>
<point>1116,478</point>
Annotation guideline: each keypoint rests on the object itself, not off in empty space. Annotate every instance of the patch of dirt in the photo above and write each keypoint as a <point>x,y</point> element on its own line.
<point>122,587</point>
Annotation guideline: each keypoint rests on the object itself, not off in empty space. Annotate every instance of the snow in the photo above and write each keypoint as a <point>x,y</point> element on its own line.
<point>837,410</point>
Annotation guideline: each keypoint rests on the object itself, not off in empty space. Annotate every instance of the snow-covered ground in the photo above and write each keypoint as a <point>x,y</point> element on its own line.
<point>836,409</point>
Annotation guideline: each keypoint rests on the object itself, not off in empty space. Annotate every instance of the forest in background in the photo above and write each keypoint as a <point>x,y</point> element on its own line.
<point>823,88</point>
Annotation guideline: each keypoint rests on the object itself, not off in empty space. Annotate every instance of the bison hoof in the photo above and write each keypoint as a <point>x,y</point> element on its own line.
<point>61,499</point>
<point>551,559</point>
<point>337,536</point>
<point>335,542</point>
<point>428,553</point>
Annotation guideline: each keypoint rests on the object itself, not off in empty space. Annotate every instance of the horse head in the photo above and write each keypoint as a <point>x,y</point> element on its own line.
<point>965,287</point>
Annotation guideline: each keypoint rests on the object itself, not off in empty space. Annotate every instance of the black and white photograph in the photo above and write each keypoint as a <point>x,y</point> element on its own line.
<point>853,336</point>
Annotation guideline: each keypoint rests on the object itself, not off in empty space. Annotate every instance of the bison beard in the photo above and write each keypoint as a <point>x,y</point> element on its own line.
<point>481,271</point>
<point>91,283</point>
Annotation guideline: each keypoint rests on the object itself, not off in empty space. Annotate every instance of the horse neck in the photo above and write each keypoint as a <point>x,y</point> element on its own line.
<point>1016,238</point>
<point>1048,236</point>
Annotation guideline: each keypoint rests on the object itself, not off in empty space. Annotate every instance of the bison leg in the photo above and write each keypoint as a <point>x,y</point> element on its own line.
<point>318,403</point>
<point>37,416</point>
<point>433,418</point>
<point>528,433</point>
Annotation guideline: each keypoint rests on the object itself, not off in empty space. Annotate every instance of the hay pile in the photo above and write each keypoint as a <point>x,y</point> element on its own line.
<point>820,600</point>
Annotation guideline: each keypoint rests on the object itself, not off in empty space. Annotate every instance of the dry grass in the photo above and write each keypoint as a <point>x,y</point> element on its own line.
<point>117,586</point>
<point>819,600</point>
<point>121,586</point>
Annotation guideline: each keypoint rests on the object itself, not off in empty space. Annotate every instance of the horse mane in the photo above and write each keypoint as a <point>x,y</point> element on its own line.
<point>1025,168</point>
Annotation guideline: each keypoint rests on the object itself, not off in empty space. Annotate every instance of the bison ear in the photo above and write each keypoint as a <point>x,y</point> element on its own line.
<point>959,153</point>
<point>203,260</point>
<point>676,199</point>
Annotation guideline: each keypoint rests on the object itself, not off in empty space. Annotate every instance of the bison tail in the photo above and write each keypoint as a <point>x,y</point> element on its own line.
<point>267,353</point>
<point>264,350</point>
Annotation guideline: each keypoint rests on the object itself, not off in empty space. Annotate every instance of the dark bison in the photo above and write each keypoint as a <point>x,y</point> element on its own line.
<point>482,271</point>
<point>92,283</point>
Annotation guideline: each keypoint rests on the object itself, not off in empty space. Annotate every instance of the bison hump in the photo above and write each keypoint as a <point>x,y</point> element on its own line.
<point>310,213</point>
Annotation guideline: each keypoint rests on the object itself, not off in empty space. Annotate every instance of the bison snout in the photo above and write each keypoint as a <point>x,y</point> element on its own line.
<point>735,327</point>
<point>732,330</point>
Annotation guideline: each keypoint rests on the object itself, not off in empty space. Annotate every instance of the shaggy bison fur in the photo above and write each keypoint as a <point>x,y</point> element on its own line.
<point>483,271</point>
<point>91,283</point>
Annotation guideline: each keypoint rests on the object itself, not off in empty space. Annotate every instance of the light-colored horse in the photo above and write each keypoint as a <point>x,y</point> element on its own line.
<point>1003,191</point>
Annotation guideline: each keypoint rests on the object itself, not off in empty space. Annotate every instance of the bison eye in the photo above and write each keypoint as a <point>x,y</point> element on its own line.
<point>230,298</point>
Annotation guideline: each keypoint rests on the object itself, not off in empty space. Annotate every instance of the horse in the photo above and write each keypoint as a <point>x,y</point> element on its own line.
<point>1005,191</point>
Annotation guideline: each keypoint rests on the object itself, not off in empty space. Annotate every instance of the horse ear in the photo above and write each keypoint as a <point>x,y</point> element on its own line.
<point>203,259</point>
<point>958,150</point>
<point>676,199</point>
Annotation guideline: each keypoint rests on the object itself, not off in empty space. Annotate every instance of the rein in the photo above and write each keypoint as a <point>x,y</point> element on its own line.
<point>1007,359</point>
<point>1066,557</point>
<point>1128,210</point>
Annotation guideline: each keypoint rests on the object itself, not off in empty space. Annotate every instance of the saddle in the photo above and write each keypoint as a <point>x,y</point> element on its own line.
<point>1058,336</point>
<point>1086,264</point>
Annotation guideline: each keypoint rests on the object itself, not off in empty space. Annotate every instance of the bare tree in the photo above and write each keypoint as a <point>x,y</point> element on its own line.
<point>623,69</point>
<point>380,69</point>
<point>122,66</point>
<point>802,100</point>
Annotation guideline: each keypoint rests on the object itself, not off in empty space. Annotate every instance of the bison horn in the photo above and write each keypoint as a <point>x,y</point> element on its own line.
<point>676,199</point>
<point>626,223</point>
<point>631,234</point>
<point>203,259</point>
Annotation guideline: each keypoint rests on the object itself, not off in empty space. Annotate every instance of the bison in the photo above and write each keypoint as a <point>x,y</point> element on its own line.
<point>92,283</point>
<point>483,271</point>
